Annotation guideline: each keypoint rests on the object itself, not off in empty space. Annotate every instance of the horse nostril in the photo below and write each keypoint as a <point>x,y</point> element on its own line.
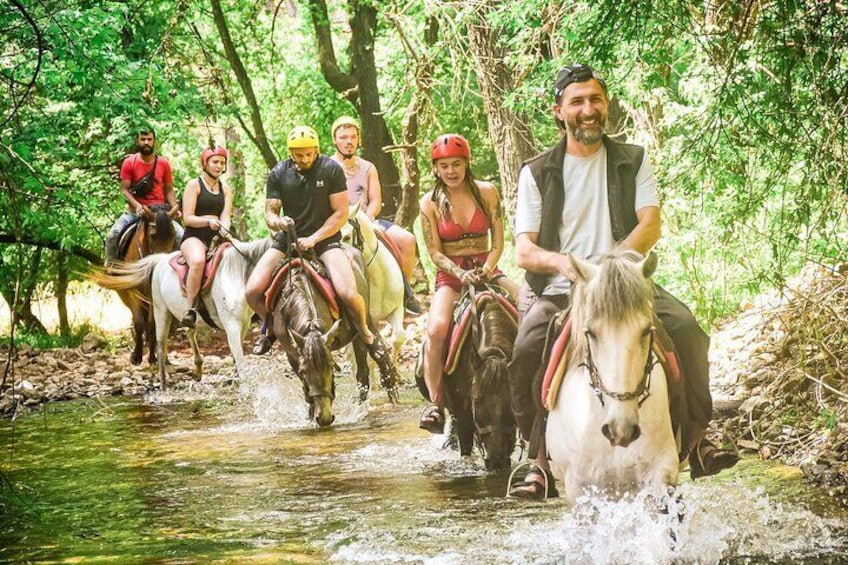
<point>637,431</point>
<point>605,429</point>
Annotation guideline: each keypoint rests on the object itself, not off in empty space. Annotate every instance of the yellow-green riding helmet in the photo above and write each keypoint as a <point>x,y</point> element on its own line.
<point>302,137</point>
<point>344,121</point>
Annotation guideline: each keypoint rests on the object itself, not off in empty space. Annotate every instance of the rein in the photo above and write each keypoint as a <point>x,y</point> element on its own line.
<point>643,390</point>
<point>229,235</point>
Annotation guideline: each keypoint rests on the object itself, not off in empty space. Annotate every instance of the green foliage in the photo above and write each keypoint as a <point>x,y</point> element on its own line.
<point>40,340</point>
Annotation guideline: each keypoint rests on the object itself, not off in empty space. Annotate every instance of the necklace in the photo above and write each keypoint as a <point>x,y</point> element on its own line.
<point>213,188</point>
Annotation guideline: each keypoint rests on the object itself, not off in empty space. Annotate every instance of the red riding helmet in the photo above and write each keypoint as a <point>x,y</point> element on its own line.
<point>450,145</point>
<point>209,152</point>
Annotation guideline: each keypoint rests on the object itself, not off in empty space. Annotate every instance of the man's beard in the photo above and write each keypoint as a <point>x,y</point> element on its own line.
<point>347,155</point>
<point>587,135</point>
<point>145,149</point>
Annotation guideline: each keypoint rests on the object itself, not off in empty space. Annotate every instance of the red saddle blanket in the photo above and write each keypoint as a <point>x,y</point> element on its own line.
<point>461,325</point>
<point>557,363</point>
<point>390,244</point>
<point>322,283</point>
<point>180,267</point>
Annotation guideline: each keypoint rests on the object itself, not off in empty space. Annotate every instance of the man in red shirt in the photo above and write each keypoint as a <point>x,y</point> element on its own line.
<point>133,169</point>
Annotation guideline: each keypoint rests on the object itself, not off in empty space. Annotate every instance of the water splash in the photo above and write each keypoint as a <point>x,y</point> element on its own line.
<point>720,522</point>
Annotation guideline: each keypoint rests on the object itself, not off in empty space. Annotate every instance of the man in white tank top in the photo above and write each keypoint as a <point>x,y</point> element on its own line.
<point>363,186</point>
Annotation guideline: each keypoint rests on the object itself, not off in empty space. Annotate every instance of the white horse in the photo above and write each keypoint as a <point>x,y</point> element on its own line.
<point>224,301</point>
<point>385,279</point>
<point>609,425</point>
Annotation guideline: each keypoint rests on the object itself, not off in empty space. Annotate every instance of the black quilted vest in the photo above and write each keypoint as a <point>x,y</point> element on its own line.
<point>623,163</point>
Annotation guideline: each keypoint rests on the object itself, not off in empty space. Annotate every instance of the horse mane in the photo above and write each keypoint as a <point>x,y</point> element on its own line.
<point>162,222</point>
<point>494,369</point>
<point>238,261</point>
<point>316,355</point>
<point>618,293</point>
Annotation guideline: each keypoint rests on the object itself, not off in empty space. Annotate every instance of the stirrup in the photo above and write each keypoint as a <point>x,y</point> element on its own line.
<point>530,465</point>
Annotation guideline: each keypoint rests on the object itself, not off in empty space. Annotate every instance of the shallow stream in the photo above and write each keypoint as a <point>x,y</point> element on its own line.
<point>235,473</point>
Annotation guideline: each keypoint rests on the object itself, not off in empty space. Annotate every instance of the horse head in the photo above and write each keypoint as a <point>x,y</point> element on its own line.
<point>613,317</point>
<point>309,345</point>
<point>490,392</point>
<point>160,228</point>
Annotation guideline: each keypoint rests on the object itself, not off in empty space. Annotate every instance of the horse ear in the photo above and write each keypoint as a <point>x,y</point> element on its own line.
<point>296,338</point>
<point>331,333</point>
<point>148,213</point>
<point>354,210</point>
<point>173,211</point>
<point>585,270</point>
<point>649,264</point>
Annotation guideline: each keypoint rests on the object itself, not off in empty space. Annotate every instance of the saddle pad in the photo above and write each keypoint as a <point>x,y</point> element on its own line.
<point>459,329</point>
<point>662,347</point>
<point>325,287</point>
<point>390,244</point>
<point>180,267</point>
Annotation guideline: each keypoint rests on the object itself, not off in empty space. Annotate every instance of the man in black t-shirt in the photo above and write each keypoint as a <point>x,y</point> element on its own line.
<point>311,191</point>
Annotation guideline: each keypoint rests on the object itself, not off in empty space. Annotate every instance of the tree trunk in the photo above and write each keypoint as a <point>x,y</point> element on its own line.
<point>62,294</point>
<point>236,176</point>
<point>360,87</point>
<point>511,136</point>
<point>258,136</point>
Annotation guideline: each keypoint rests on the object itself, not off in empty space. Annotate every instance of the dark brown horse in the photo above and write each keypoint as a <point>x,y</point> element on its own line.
<point>154,233</point>
<point>308,332</point>
<point>477,392</point>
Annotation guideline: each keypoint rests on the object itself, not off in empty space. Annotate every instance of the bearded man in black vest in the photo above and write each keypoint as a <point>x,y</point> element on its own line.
<point>585,196</point>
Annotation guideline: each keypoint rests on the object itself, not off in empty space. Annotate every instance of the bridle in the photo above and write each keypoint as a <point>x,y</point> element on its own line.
<point>359,241</point>
<point>643,390</point>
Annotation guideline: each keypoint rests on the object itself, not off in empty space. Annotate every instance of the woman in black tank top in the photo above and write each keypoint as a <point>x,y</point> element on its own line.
<point>207,206</point>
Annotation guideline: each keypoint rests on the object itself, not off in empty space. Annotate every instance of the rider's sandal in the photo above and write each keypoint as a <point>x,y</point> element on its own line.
<point>538,484</point>
<point>263,344</point>
<point>432,419</point>
<point>707,459</point>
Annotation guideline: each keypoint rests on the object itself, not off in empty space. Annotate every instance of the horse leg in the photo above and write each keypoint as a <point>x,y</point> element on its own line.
<point>398,332</point>
<point>150,327</point>
<point>198,360</point>
<point>363,378</point>
<point>139,317</point>
<point>163,326</point>
<point>233,329</point>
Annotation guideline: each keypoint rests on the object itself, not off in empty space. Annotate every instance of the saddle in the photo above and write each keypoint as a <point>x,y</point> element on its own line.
<point>126,238</point>
<point>461,325</point>
<point>213,260</point>
<point>324,285</point>
<point>557,362</point>
<point>390,244</point>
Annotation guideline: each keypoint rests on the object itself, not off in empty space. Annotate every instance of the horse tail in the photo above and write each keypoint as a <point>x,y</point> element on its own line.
<point>127,276</point>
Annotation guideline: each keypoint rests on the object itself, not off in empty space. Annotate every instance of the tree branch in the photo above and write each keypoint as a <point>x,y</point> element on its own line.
<point>76,250</point>
<point>342,82</point>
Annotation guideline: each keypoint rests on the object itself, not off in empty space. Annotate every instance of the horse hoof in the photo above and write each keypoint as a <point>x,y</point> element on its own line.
<point>135,359</point>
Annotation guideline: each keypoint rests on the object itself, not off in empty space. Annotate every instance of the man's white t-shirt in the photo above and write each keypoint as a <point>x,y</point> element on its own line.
<point>585,229</point>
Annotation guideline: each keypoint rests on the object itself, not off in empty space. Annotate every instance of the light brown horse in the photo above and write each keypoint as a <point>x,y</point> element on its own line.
<point>154,233</point>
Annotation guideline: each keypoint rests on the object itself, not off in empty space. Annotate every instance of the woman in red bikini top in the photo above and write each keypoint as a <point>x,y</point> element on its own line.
<point>463,227</point>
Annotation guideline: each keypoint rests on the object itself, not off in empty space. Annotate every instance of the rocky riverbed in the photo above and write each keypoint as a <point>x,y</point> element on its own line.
<point>783,362</point>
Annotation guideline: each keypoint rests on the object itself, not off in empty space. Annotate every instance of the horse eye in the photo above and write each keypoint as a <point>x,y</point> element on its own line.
<point>589,333</point>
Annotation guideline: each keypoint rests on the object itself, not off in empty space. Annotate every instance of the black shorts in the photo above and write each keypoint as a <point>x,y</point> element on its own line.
<point>281,244</point>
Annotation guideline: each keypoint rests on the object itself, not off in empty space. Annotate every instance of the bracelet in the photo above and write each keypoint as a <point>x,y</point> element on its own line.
<point>208,223</point>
